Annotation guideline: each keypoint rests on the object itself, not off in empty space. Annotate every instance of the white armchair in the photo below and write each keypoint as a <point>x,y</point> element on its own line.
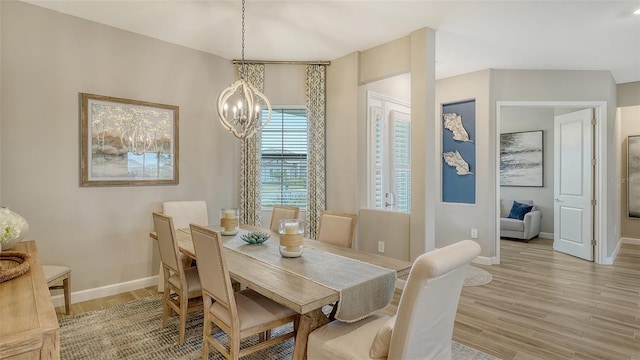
<point>423,326</point>
<point>524,229</point>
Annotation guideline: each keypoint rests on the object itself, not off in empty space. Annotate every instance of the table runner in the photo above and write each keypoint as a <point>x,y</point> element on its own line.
<point>364,288</point>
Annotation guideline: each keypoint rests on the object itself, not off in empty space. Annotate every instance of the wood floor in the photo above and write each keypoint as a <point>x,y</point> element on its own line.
<point>541,304</point>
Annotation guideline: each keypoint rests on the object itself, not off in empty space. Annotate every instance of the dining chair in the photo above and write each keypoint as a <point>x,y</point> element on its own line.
<point>59,277</point>
<point>239,314</point>
<point>281,212</point>
<point>183,213</point>
<point>423,325</point>
<point>338,228</point>
<point>183,293</point>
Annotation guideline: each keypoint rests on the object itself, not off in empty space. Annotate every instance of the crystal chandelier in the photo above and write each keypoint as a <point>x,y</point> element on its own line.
<point>240,105</point>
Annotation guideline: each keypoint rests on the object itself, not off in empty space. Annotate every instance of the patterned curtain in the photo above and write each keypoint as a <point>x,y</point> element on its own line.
<point>250,195</point>
<point>315,88</point>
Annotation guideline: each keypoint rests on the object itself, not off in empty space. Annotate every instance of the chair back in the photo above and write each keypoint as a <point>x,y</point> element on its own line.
<point>166,242</point>
<point>427,309</point>
<point>212,269</point>
<point>186,212</point>
<point>281,212</point>
<point>337,228</point>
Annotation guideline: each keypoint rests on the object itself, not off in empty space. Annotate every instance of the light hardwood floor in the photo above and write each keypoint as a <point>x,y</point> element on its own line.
<point>541,304</point>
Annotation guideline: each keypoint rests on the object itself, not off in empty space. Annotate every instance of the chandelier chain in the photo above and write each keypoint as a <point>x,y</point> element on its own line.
<point>242,74</point>
<point>241,106</point>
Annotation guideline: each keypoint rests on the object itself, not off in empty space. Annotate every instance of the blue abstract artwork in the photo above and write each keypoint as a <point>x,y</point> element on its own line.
<point>459,152</point>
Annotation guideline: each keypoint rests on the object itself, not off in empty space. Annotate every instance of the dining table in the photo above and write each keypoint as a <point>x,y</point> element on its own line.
<point>308,283</point>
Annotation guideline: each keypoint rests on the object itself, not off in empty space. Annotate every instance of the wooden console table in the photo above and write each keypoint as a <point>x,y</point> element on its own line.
<point>28,323</point>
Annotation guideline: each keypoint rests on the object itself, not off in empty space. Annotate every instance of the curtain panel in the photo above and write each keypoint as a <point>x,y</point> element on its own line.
<point>250,194</point>
<point>315,98</point>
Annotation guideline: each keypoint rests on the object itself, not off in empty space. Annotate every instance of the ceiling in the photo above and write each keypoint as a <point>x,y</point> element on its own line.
<point>470,35</point>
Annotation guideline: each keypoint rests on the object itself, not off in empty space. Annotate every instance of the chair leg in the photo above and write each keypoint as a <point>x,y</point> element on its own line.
<point>334,310</point>
<point>166,310</point>
<point>184,299</point>
<point>66,284</point>
<point>206,332</point>
<point>234,347</point>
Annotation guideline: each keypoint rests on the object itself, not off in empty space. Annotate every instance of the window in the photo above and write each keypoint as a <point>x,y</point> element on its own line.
<point>284,159</point>
<point>389,153</point>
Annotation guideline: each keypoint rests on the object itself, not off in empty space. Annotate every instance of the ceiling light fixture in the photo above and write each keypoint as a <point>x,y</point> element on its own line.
<point>240,105</point>
<point>637,12</point>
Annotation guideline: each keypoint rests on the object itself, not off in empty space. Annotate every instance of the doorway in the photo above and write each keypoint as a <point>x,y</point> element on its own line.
<point>598,218</point>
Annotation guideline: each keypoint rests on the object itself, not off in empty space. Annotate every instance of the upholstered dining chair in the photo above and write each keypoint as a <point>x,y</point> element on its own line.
<point>183,213</point>
<point>59,277</point>
<point>338,228</point>
<point>281,212</point>
<point>183,293</point>
<point>239,314</point>
<point>423,325</point>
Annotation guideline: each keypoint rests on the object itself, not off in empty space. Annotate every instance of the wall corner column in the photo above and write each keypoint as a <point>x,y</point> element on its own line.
<point>423,152</point>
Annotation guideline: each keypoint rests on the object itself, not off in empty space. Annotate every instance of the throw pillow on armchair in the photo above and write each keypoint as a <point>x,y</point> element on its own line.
<point>518,210</point>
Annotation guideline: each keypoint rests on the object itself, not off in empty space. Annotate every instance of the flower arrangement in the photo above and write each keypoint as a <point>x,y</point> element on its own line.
<point>12,227</point>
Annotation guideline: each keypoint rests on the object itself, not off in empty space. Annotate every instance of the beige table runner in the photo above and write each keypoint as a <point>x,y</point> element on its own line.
<point>364,288</point>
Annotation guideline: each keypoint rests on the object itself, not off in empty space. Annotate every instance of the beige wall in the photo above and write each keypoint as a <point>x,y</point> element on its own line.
<point>343,138</point>
<point>1,36</point>
<point>454,221</point>
<point>629,110</point>
<point>629,94</point>
<point>629,126</point>
<point>284,84</point>
<point>101,232</point>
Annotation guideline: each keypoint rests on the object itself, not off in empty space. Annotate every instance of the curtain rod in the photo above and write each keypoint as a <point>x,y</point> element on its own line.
<point>282,62</point>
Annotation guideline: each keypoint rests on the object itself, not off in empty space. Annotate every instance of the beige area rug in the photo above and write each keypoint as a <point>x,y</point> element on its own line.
<point>134,331</point>
<point>476,276</point>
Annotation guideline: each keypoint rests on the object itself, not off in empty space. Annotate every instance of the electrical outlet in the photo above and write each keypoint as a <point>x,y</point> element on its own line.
<point>474,233</point>
<point>381,246</point>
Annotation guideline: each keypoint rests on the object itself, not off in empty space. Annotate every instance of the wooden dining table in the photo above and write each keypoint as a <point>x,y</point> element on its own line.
<point>301,294</point>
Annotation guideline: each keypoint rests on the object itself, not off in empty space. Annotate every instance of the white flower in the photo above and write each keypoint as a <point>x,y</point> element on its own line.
<point>11,225</point>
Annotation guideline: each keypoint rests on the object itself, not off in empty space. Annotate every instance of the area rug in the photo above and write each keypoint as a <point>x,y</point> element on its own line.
<point>134,331</point>
<point>476,276</point>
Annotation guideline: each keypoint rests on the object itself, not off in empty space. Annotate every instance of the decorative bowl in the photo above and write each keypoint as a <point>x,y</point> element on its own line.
<point>255,238</point>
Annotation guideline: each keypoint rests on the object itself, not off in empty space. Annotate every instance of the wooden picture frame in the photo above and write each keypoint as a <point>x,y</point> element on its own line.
<point>522,159</point>
<point>633,177</point>
<point>127,142</point>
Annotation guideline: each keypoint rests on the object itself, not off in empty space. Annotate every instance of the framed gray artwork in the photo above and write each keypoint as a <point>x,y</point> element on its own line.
<point>521,159</point>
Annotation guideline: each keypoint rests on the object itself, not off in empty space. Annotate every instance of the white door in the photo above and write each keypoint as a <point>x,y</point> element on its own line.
<point>573,184</point>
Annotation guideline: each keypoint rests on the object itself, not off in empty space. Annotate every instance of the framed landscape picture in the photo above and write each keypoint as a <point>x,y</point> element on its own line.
<point>633,177</point>
<point>521,159</point>
<point>127,142</point>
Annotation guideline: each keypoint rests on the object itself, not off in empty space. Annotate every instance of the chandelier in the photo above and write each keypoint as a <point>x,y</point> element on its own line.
<point>240,105</point>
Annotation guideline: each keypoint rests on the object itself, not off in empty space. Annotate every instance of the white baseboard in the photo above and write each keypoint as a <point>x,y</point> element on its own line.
<point>484,260</point>
<point>630,241</point>
<point>546,235</point>
<point>90,294</point>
